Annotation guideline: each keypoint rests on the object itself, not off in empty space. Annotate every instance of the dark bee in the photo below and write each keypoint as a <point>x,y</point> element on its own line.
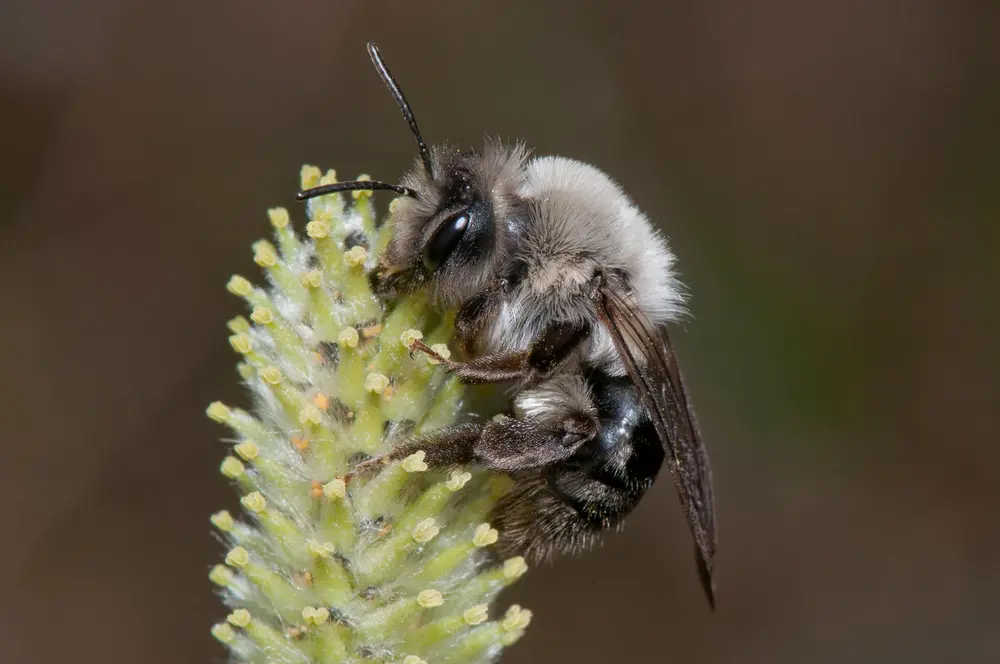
<point>563,286</point>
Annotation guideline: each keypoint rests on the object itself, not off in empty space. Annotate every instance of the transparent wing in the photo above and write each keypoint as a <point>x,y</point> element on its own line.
<point>651,364</point>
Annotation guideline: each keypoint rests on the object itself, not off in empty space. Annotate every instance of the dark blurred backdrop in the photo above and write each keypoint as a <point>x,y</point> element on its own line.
<point>827,170</point>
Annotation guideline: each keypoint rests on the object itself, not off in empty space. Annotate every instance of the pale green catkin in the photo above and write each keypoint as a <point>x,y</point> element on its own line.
<point>392,567</point>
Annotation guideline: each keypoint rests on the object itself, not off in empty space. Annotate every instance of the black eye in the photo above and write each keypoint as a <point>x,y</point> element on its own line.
<point>445,239</point>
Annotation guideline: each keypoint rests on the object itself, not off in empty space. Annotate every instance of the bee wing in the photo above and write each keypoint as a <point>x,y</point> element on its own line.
<point>651,364</point>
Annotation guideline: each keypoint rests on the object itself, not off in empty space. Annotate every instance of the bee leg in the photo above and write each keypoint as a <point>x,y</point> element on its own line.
<point>503,444</point>
<point>556,342</point>
<point>508,444</point>
<point>485,369</point>
<point>449,446</point>
<point>474,314</point>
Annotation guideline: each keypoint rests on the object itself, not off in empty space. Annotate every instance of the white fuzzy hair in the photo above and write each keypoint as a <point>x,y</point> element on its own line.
<point>581,220</point>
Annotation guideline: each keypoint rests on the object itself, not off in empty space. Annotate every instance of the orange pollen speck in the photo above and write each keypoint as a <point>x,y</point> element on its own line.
<point>371,330</point>
<point>387,393</point>
<point>300,442</point>
<point>316,490</point>
<point>321,400</point>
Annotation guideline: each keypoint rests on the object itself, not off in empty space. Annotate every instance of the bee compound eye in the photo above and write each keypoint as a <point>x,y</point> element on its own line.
<point>445,239</point>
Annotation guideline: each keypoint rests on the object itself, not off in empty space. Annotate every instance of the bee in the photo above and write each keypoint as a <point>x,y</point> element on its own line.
<point>562,287</point>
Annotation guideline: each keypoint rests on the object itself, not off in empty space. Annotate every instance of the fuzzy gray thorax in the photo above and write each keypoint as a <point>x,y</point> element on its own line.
<point>578,222</point>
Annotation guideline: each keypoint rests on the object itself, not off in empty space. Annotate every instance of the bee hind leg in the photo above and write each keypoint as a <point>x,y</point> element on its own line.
<point>504,444</point>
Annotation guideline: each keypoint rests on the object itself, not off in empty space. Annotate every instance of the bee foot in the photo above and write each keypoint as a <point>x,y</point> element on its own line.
<point>431,353</point>
<point>368,466</point>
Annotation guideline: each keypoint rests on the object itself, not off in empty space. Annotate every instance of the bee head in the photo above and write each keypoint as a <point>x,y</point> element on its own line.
<point>452,225</point>
<point>453,237</point>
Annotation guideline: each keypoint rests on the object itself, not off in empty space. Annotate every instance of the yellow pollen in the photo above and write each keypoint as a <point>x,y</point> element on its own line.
<point>315,615</point>
<point>231,467</point>
<point>430,598</point>
<point>310,414</point>
<point>218,411</point>
<point>476,614</point>
<point>223,520</point>
<point>514,568</point>
<point>239,617</point>
<point>485,535</point>
<point>279,217</point>
<point>415,462</point>
<point>335,488</point>
<point>442,350</point>
<point>318,229</point>
<point>262,315</point>
<point>329,178</point>
<point>516,619</point>
<point>425,531</point>
<point>312,279</point>
<point>376,382</point>
<point>270,374</point>
<point>221,575</point>
<point>348,337</point>
<point>309,177</point>
<point>248,450</point>
<point>223,633</point>
<point>265,255</point>
<point>458,479</point>
<point>356,256</point>
<point>408,337</point>
<point>239,286</point>
<point>238,324</point>
<point>238,557</point>
<point>254,501</point>
<point>241,343</point>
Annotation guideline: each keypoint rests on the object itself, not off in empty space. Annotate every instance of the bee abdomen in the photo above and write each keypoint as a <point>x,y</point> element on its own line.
<point>565,508</point>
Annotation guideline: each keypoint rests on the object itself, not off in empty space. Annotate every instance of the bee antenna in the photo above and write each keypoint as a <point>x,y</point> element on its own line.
<point>404,106</point>
<point>354,185</point>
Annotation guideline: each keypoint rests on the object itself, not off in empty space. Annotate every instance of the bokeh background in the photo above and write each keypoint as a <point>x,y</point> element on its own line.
<point>827,170</point>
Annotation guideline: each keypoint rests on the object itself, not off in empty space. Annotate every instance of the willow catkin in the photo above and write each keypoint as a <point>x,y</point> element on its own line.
<point>391,567</point>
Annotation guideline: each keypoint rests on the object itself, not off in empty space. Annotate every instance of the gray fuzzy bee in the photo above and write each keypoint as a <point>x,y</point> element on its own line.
<point>562,286</point>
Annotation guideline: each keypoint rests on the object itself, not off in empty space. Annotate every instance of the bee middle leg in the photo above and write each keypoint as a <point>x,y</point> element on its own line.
<point>504,444</point>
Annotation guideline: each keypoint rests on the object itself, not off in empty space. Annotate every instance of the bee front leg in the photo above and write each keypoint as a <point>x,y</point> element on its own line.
<point>556,342</point>
<point>485,369</point>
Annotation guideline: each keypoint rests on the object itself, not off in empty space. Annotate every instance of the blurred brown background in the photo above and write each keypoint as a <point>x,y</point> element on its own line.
<point>827,171</point>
